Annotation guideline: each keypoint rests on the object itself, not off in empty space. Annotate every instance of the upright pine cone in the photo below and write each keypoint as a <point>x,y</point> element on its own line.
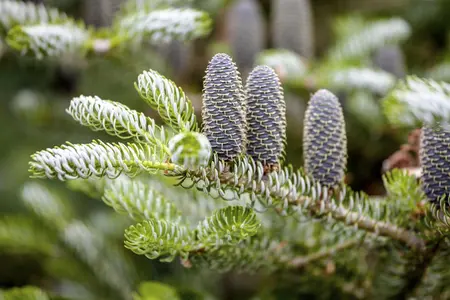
<point>266,116</point>
<point>435,160</point>
<point>224,108</point>
<point>324,139</point>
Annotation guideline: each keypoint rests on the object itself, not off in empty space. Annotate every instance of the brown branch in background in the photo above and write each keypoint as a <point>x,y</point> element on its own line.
<point>407,157</point>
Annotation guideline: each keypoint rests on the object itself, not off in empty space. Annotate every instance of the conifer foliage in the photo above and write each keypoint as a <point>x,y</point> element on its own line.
<point>219,195</point>
<point>44,32</point>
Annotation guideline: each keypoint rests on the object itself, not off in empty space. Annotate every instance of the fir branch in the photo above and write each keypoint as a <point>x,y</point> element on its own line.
<point>287,188</point>
<point>98,254</point>
<point>165,25</point>
<point>417,270</point>
<point>109,223</point>
<point>166,240</point>
<point>399,183</point>
<point>389,269</point>
<point>139,200</point>
<point>312,236</point>
<point>377,81</point>
<point>48,40</point>
<point>404,195</point>
<point>71,161</point>
<point>371,37</point>
<point>193,204</point>
<point>158,239</point>
<point>118,120</point>
<point>228,225</point>
<point>24,293</point>
<point>416,101</point>
<point>438,216</point>
<point>436,277</point>
<point>133,6</point>
<point>256,254</point>
<point>13,12</point>
<point>106,261</point>
<point>46,204</point>
<point>164,96</point>
<point>340,213</point>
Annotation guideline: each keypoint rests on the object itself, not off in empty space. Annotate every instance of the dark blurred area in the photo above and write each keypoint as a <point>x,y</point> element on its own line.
<point>34,96</point>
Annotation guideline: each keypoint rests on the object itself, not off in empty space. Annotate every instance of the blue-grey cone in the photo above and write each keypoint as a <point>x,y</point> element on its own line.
<point>224,109</point>
<point>435,161</point>
<point>266,116</point>
<point>324,139</point>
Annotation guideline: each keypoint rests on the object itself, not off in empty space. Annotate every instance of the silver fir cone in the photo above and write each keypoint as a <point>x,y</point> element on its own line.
<point>435,161</point>
<point>325,140</point>
<point>266,116</point>
<point>245,32</point>
<point>224,108</point>
<point>390,58</point>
